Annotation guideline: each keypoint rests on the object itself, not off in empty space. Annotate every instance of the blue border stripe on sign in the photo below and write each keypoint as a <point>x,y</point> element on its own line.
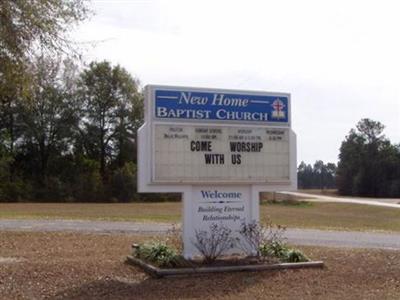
<point>220,106</point>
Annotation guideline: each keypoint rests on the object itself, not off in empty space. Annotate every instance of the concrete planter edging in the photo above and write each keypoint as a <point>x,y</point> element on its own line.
<point>158,272</point>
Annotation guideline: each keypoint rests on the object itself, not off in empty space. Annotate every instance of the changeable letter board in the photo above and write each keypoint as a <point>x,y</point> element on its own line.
<point>204,153</point>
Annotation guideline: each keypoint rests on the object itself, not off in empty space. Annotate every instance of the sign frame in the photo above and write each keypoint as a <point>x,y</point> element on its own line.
<point>146,152</point>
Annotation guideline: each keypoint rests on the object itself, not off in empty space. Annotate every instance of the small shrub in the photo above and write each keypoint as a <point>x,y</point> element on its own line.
<point>214,242</point>
<point>282,252</point>
<point>295,255</point>
<point>255,234</point>
<point>174,238</point>
<point>274,249</point>
<point>157,253</point>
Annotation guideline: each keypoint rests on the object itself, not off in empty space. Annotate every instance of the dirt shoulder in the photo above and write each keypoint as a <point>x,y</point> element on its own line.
<point>88,266</point>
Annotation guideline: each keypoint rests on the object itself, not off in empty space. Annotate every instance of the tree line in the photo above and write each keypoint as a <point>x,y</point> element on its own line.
<point>67,133</point>
<point>68,130</point>
<point>317,176</point>
<point>73,136</point>
<point>369,165</point>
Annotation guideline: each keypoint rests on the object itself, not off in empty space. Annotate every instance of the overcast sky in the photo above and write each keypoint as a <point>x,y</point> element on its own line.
<point>340,60</point>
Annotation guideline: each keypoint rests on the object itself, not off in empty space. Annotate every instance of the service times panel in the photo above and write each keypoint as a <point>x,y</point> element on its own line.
<point>198,154</point>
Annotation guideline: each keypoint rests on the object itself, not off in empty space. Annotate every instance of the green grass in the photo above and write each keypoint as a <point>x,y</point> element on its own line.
<point>338,216</point>
<point>156,212</point>
<point>288,202</point>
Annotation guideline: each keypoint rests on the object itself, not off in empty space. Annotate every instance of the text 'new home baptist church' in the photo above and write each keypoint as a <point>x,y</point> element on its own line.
<point>220,106</point>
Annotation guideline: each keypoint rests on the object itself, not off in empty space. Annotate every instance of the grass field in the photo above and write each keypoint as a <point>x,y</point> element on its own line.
<point>305,215</point>
<point>155,212</point>
<point>78,266</point>
<point>340,216</point>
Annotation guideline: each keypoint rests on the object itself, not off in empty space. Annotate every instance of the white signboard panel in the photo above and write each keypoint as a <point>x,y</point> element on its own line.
<point>229,205</point>
<point>194,154</point>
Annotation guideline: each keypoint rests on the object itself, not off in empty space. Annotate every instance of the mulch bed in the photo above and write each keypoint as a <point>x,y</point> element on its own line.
<point>88,266</point>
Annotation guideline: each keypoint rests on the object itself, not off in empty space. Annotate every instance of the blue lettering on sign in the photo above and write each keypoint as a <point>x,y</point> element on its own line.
<point>171,104</point>
<point>216,194</point>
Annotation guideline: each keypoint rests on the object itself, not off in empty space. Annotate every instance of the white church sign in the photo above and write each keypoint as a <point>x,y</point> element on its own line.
<point>220,148</point>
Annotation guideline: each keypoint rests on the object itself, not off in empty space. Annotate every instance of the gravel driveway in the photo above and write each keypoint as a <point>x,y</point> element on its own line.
<point>392,203</point>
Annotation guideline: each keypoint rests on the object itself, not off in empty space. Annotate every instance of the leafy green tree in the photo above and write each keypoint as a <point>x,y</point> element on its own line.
<point>112,111</point>
<point>48,116</point>
<point>331,174</point>
<point>29,25</point>
<point>320,173</point>
<point>5,162</point>
<point>12,188</point>
<point>369,164</point>
<point>350,159</point>
<point>305,176</point>
<point>371,131</point>
<point>14,87</point>
<point>123,183</point>
<point>88,186</point>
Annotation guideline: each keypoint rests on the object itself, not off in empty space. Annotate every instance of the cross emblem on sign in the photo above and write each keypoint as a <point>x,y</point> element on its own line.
<point>278,107</point>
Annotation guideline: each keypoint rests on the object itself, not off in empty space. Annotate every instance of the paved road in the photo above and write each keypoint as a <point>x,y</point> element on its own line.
<point>84,226</point>
<point>393,203</point>
<point>295,236</point>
